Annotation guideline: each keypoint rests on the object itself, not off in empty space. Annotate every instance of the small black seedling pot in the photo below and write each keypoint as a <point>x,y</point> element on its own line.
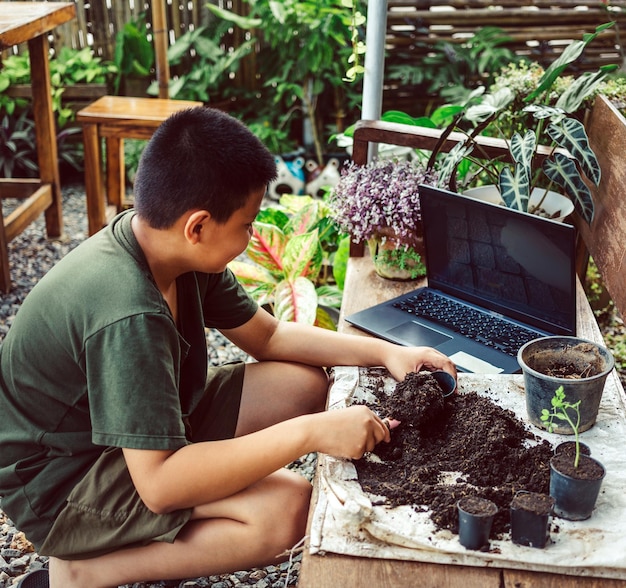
<point>446,382</point>
<point>475,520</point>
<point>530,518</point>
<point>575,497</point>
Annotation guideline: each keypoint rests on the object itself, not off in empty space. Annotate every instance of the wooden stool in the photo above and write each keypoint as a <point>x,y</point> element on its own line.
<point>31,22</point>
<point>116,118</point>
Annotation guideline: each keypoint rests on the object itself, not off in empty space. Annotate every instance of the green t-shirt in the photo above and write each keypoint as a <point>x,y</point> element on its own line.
<point>94,359</point>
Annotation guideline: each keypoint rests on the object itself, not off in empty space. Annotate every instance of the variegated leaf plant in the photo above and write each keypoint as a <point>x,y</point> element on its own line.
<point>285,263</point>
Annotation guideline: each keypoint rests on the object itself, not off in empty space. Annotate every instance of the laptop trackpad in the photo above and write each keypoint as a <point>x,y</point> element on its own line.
<point>416,334</point>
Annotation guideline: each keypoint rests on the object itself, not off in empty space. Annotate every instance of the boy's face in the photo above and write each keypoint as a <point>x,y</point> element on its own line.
<point>230,239</point>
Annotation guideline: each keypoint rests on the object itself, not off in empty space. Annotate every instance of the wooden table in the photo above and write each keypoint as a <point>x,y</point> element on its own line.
<point>29,22</point>
<point>334,570</point>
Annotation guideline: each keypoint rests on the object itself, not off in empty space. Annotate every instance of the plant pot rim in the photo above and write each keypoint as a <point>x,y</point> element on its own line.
<point>492,506</point>
<point>491,193</point>
<point>585,457</point>
<point>544,495</point>
<point>610,361</point>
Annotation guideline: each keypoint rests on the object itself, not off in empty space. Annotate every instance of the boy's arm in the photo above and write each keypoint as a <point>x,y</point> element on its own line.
<point>266,338</point>
<point>204,472</point>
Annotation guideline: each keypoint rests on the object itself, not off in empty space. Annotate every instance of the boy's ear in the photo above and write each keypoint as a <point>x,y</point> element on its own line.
<point>194,224</point>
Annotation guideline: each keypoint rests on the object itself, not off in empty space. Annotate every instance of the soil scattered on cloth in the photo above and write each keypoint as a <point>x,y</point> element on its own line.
<point>471,447</point>
<point>417,400</point>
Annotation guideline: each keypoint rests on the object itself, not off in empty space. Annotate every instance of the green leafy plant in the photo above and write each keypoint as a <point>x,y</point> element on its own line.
<point>79,66</point>
<point>17,146</point>
<point>207,77</point>
<point>450,69</point>
<point>134,53</point>
<point>133,148</point>
<point>406,260</point>
<point>559,410</point>
<point>15,70</point>
<point>357,21</point>
<point>570,157</point>
<point>70,147</point>
<point>290,254</point>
<point>67,68</point>
<point>304,46</point>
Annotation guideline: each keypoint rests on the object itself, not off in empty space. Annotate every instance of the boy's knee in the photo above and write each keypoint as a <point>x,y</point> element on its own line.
<point>294,509</point>
<point>318,385</point>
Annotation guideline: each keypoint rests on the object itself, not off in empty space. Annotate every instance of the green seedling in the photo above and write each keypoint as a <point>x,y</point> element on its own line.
<point>560,408</point>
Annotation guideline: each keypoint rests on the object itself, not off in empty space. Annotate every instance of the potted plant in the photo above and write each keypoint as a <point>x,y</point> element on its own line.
<point>379,203</point>
<point>575,479</point>
<point>475,520</point>
<point>293,262</point>
<point>568,161</point>
<point>530,518</point>
<point>577,366</point>
<point>133,58</point>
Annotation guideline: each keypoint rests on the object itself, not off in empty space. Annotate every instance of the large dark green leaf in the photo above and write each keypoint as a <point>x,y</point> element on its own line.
<point>523,150</point>
<point>515,189</point>
<point>563,171</point>
<point>582,87</point>
<point>570,54</point>
<point>570,134</point>
<point>452,161</point>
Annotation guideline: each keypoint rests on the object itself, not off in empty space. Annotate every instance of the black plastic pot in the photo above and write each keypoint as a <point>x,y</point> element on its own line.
<point>541,358</point>
<point>475,520</point>
<point>569,447</point>
<point>530,518</point>
<point>446,382</point>
<point>575,498</point>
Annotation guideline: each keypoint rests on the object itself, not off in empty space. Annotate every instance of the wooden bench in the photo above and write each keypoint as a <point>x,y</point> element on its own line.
<point>604,240</point>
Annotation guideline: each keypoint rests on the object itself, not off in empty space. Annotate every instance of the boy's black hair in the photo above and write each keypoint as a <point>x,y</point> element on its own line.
<point>200,158</point>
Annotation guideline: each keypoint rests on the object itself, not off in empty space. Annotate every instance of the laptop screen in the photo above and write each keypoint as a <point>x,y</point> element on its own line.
<point>513,263</point>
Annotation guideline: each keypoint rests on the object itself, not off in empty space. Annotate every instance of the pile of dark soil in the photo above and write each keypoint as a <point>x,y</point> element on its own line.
<point>472,447</point>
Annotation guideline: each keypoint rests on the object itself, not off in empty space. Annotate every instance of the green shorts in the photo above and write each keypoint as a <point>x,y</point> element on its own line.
<point>104,513</point>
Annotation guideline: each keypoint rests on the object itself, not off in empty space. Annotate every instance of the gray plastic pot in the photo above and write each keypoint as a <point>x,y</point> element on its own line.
<point>542,357</point>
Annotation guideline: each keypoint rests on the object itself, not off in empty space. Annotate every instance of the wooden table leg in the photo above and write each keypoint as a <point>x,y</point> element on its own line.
<point>115,172</point>
<point>5,272</point>
<point>93,179</point>
<point>45,129</point>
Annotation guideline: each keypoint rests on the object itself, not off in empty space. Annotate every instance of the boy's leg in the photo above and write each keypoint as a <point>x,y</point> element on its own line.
<point>237,532</point>
<point>250,529</point>
<point>275,391</point>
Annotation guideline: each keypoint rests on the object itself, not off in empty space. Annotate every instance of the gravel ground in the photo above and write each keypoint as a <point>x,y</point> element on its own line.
<point>31,254</point>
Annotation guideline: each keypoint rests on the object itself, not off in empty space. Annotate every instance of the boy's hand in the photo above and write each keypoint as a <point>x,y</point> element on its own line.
<point>403,360</point>
<point>350,432</point>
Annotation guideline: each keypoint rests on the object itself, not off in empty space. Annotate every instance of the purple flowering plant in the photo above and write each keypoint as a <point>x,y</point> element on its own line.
<point>379,200</point>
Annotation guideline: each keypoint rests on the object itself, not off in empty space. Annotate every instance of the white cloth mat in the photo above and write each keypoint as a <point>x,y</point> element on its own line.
<point>346,522</point>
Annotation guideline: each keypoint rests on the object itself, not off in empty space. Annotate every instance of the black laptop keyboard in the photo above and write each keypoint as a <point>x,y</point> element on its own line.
<point>465,320</point>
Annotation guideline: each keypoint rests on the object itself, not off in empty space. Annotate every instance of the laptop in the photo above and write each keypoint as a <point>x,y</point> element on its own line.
<point>496,279</point>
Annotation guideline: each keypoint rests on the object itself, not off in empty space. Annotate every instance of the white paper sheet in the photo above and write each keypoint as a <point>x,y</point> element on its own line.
<point>346,522</point>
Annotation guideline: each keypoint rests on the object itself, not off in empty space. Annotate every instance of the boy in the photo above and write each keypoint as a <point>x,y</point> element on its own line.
<point>123,457</point>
